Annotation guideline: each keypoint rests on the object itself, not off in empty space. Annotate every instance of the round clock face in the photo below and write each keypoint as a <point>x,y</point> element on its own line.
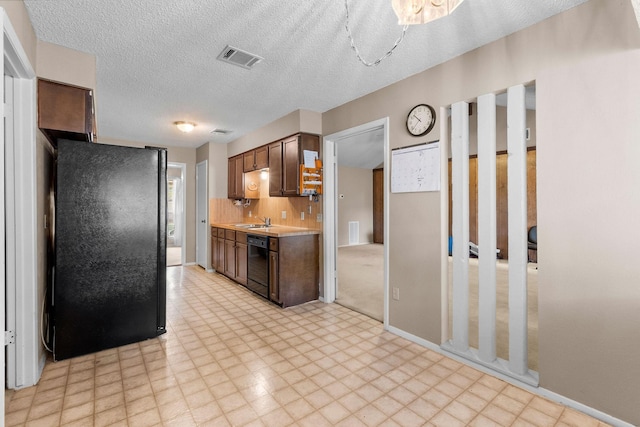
<point>421,119</point>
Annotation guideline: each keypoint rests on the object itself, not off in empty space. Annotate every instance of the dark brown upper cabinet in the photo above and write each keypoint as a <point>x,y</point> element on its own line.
<point>256,159</point>
<point>65,112</point>
<point>285,158</point>
<point>235,179</point>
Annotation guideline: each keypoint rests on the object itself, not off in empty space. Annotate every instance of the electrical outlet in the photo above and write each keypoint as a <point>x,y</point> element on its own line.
<point>396,294</point>
<point>319,218</point>
<point>302,216</point>
<point>309,209</point>
<point>284,214</point>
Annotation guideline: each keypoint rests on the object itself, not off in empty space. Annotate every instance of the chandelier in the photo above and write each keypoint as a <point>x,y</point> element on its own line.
<point>412,12</point>
<point>409,12</point>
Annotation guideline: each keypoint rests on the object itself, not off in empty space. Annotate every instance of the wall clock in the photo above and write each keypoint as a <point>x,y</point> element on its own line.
<point>421,119</point>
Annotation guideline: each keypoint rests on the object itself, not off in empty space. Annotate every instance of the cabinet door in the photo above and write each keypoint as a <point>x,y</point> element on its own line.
<point>230,258</point>
<point>275,169</point>
<point>239,177</point>
<point>65,111</point>
<point>274,289</point>
<point>290,166</point>
<point>214,243</point>
<point>235,181</point>
<point>262,157</point>
<point>241,263</point>
<point>249,161</point>
<point>219,253</point>
<point>231,179</point>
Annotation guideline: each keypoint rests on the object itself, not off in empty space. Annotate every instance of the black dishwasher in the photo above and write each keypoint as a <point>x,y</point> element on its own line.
<point>258,264</point>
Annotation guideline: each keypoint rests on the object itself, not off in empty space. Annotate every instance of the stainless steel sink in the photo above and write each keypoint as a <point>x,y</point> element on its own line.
<point>252,226</point>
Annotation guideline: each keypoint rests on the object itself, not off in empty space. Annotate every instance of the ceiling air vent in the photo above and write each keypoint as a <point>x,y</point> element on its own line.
<point>220,132</point>
<point>239,57</point>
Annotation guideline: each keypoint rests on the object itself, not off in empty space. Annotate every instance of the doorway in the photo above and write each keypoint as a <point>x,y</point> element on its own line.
<point>356,268</point>
<point>21,285</point>
<point>175,214</point>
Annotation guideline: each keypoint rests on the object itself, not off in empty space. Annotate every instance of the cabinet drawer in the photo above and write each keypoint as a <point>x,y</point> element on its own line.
<point>241,237</point>
<point>221,232</point>
<point>273,244</point>
<point>230,234</point>
<point>214,232</point>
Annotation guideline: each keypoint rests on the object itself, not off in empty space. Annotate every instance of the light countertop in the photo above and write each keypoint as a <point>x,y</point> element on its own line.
<point>273,231</point>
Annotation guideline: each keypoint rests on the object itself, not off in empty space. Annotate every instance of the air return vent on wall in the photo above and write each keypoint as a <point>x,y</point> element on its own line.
<point>239,57</point>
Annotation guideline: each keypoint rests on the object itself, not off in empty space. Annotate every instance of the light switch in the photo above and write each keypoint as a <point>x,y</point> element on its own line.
<point>284,214</point>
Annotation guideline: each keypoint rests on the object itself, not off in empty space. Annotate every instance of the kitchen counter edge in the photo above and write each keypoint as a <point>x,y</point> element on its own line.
<point>274,231</point>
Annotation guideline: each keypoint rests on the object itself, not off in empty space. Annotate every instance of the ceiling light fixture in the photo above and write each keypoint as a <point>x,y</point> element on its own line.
<point>185,127</point>
<point>411,12</point>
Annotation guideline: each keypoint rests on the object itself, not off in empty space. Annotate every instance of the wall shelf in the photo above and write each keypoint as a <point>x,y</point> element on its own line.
<point>311,180</point>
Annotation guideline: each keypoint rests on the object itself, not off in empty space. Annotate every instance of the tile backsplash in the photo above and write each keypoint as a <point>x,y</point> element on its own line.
<point>295,209</point>
<point>299,211</point>
<point>223,211</point>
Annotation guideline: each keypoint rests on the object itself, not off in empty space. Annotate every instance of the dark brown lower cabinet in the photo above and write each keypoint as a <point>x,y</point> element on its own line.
<point>241,258</point>
<point>293,269</point>
<point>273,277</point>
<point>214,242</point>
<point>217,249</point>
<point>293,264</point>
<point>234,258</point>
<point>230,258</point>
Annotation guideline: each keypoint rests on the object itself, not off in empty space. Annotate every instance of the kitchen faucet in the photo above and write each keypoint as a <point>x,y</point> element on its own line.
<point>267,221</point>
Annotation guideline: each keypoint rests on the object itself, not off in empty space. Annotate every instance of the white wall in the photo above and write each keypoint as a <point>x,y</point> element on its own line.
<point>356,185</point>
<point>588,205</point>
<point>587,168</point>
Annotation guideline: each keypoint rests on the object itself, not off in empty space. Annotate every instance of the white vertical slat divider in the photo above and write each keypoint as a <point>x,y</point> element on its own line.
<point>517,204</point>
<point>460,226</point>
<point>487,227</point>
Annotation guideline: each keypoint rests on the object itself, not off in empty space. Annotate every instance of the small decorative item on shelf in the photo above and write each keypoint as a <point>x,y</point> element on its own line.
<point>311,179</point>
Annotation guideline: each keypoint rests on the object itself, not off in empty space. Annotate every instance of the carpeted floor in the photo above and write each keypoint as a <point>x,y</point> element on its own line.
<point>502,308</point>
<point>360,287</point>
<point>360,279</point>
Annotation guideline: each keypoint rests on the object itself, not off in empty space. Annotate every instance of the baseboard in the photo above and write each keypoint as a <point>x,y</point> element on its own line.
<point>540,391</point>
<point>186,264</point>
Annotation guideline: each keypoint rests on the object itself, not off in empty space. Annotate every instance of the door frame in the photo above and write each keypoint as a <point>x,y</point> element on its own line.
<point>22,170</point>
<point>202,240</point>
<point>183,218</point>
<point>330,209</point>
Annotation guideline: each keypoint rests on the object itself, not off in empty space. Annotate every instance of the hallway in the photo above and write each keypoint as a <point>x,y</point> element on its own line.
<point>231,358</point>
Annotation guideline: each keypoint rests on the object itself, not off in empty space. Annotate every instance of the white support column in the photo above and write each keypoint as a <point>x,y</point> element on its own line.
<point>487,227</point>
<point>460,226</point>
<point>517,204</point>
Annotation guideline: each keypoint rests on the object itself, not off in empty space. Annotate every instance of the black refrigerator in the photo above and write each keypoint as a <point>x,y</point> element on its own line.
<point>109,286</point>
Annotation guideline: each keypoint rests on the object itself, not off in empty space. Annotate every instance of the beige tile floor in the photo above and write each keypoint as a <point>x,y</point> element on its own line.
<point>231,358</point>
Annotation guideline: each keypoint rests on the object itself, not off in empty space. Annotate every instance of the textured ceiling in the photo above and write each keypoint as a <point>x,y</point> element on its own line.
<point>156,59</point>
